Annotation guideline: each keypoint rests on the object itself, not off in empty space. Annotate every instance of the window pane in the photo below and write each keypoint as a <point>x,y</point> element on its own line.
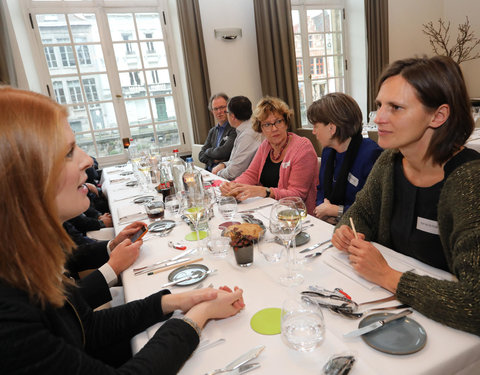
<point>84,28</point>
<point>108,143</point>
<point>74,90</point>
<point>85,142</point>
<point>149,26</point>
<point>90,58</point>
<point>315,20</point>
<point>163,108</point>
<point>133,84</point>
<point>335,66</point>
<point>336,85</point>
<point>167,134</point>
<point>121,26</point>
<point>319,89</point>
<point>127,56</point>
<point>333,20</point>
<point>158,82</point>
<point>298,45</point>
<point>67,64</point>
<point>300,76</point>
<point>96,87</point>
<point>78,119</point>
<point>296,21</point>
<point>316,44</point>
<point>53,28</point>
<point>143,136</point>
<point>103,116</point>
<point>317,67</point>
<point>334,44</point>
<point>138,112</point>
<point>154,55</point>
<point>301,92</point>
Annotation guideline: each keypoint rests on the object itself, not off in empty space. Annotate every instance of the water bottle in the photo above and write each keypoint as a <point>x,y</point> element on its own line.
<point>178,169</point>
<point>192,180</point>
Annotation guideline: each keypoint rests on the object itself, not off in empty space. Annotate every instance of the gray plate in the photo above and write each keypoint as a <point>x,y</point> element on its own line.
<point>300,239</point>
<point>188,270</point>
<point>400,337</point>
<point>161,226</point>
<point>143,199</point>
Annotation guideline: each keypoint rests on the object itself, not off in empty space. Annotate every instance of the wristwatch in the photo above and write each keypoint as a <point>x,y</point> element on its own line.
<point>340,211</point>
<point>269,192</point>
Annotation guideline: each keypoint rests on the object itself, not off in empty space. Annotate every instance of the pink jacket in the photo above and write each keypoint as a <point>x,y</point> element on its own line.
<point>298,172</point>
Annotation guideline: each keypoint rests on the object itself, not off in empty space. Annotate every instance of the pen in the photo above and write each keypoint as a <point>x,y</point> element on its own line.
<point>353,228</point>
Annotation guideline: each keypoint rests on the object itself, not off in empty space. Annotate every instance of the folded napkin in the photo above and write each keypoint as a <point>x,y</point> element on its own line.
<point>130,213</point>
<point>117,180</point>
<point>125,195</point>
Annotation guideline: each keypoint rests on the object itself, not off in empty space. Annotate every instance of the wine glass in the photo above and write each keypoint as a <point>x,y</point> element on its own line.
<point>302,209</point>
<point>284,223</point>
<point>144,167</point>
<point>194,210</point>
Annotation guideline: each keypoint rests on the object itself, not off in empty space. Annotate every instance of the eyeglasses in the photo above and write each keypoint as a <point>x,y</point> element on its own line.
<point>276,123</point>
<point>222,108</point>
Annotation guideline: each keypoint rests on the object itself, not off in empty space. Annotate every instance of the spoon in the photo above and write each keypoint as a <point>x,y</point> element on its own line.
<point>358,315</point>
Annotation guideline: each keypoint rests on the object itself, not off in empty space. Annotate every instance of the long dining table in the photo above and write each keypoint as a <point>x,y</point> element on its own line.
<point>446,351</point>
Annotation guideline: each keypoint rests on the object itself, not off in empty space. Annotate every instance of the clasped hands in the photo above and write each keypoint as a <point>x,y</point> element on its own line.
<point>366,259</point>
<point>242,191</point>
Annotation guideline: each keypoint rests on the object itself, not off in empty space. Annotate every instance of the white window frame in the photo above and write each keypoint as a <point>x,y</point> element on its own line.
<point>302,6</point>
<point>100,8</point>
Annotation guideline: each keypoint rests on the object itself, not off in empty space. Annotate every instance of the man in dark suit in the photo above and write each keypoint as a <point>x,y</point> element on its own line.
<point>220,139</point>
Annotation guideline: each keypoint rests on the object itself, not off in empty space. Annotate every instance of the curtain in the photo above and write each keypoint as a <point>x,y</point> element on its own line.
<point>198,82</point>
<point>276,53</point>
<point>376,14</point>
<point>7,69</point>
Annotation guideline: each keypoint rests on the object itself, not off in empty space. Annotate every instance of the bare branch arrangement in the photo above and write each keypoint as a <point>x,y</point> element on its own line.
<point>440,37</point>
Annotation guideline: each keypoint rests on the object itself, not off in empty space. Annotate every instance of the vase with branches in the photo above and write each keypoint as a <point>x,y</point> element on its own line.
<point>439,38</point>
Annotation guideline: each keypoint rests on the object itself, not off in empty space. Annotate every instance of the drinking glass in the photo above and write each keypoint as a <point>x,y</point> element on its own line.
<point>302,324</point>
<point>210,200</point>
<point>227,206</point>
<point>144,167</point>
<point>155,210</point>
<point>284,223</point>
<point>172,204</point>
<point>194,210</point>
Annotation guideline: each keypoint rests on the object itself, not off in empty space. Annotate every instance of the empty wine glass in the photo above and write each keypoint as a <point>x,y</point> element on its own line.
<point>227,206</point>
<point>284,223</point>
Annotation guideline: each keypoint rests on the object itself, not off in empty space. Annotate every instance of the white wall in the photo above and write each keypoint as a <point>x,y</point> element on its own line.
<point>406,19</point>
<point>232,65</point>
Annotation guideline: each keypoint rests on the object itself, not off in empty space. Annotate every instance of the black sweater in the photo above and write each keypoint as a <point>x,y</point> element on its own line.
<point>64,340</point>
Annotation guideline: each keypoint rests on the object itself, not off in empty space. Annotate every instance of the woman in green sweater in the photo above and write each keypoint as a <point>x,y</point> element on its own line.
<point>422,197</point>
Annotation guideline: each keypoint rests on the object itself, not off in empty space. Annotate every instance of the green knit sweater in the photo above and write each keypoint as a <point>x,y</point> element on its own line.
<point>456,304</point>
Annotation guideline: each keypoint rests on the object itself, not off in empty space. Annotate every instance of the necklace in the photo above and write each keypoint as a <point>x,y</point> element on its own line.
<point>274,158</point>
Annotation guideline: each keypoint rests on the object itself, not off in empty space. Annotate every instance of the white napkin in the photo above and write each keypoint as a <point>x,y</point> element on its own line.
<point>119,179</point>
<point>130,213</point>
<point>125,195</point>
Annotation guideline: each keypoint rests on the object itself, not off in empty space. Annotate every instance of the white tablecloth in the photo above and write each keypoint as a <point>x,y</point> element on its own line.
<point>447,351</point>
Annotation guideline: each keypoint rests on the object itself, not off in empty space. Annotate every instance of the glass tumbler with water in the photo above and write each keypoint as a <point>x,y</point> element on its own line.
<point>227,206</point>
<point>302,324</point>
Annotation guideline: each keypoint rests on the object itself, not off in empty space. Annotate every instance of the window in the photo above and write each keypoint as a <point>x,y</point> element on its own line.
<point>320,52</point>
<point>88,50</point>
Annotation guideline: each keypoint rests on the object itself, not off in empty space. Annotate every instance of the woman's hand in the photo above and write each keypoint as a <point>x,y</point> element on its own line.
<point>244,191</point>
<point>127,232</point>
<point>367,260</point>
<point>227,187</point>
<point>325,209</point>
<point>343,236</point>
<point>186,300</point>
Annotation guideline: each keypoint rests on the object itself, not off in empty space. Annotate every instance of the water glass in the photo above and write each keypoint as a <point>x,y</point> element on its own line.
<point>172,204</point>
<point>155,210</point>
<point>272,252</point>
<point>227,206</point>
<point>218,246</point>
<point>302,324</point>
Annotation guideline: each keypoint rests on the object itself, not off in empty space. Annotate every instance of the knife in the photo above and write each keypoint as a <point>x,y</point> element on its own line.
<point>376,325</point>
<point>257,208</point>
<point>313,247</point>
<point>160,266</point>
<point>164,261</point>
<point>248,367</point>
<point>187,278</point>
<point>313,255</point>
<point>244,358</point>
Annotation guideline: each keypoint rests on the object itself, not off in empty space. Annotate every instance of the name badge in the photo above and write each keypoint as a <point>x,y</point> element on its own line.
<point>286,164</point>
<point>352,179</point>
<point>427,225</point>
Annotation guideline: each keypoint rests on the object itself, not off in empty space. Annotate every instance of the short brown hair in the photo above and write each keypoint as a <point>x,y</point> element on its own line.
<point>268,105</point>
<point>32,154</point>
<point>438,80</point>
<point>215,96</point>
<point>339,109</point>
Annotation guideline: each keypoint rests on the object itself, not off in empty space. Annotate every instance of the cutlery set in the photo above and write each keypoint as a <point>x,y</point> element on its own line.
<point>242,360</point>
<point>180,258</point>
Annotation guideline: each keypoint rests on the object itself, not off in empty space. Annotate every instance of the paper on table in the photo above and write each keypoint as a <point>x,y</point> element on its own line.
<point>125,195</point>
<point>128,213</point>
<point>343,266</point>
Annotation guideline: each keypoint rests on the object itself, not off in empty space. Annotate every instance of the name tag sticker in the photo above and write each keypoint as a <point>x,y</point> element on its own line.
<point>286,164</point>
<point>352,179</point>
<point>427,225</point>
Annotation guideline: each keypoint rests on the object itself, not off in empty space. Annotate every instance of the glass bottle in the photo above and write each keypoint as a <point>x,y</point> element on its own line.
<point>192,180</point>
<point>178,169</point>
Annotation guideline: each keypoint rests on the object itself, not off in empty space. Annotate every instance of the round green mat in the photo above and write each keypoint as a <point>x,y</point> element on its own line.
<point>192,236</point>
<point>267,321</point>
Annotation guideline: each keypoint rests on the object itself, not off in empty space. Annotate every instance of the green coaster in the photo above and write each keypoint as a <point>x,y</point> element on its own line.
<point>192,236</point>
<point>267,321</point>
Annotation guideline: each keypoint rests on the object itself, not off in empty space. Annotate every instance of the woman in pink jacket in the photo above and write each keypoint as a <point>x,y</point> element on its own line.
<point>285,164</point>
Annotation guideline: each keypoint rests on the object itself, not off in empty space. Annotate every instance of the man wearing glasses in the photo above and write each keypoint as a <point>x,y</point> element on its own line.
<point>220,139</point>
